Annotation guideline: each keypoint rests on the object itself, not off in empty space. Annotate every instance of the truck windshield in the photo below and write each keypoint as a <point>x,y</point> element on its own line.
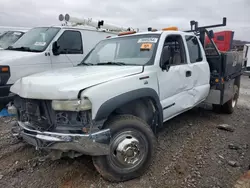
<point>9,38</point>
<point>35,40</point>
<point>126,50</point>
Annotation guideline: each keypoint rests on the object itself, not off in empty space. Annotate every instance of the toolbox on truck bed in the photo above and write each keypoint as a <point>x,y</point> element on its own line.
<point>227,65</point>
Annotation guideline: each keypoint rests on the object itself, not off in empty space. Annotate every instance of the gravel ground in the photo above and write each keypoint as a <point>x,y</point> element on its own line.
<point>192,152</point>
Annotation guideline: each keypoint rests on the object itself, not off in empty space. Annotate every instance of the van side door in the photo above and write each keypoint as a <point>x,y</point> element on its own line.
<point>70,49</point>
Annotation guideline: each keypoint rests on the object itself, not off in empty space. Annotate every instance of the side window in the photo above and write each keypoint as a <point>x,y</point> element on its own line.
<point>193,49</point>
<point>70,42</point>
<point>176,48</point>
<point>220,38</point>
<point>107,53</point>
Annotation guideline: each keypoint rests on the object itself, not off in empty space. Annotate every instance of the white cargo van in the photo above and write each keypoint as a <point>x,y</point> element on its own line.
<point>10,37</point>
<point>45,48</point>
<point>4,29</point>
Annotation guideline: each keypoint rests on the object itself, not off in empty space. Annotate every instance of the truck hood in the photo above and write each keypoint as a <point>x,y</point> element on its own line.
<point>67,82</point>
<point>12,54</point>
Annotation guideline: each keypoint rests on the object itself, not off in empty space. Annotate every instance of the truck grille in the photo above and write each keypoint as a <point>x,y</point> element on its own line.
<point>37,112</point>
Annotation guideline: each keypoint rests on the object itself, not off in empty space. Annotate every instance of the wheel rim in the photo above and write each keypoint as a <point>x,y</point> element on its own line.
<point>128,150</point>
<point>233,102</point>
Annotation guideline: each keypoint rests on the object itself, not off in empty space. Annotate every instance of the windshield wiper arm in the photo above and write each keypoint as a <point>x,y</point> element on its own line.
<point>10,48</point>
<point>112,63</point>
<point>82,63</point>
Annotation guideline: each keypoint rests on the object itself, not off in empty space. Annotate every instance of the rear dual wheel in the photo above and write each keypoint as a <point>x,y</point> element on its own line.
<point>230,105</point>
<point>132,148</point>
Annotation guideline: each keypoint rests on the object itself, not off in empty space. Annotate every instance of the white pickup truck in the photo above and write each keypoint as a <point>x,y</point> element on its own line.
<point>111,104</point>
<point>45,48</point>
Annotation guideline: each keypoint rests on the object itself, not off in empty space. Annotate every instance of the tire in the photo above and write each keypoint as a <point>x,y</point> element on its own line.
<point>124,129</point>
<point>217,108</point>
<point>230,105</point>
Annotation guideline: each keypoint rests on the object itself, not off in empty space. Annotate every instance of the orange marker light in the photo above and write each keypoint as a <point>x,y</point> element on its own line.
<point>5,69</point>
<point>216,80</point>
<point>126,33</point>
<point>170,29</point>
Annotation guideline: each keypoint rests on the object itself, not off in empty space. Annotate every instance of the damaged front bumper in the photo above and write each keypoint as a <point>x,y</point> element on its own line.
<point>94,144</point>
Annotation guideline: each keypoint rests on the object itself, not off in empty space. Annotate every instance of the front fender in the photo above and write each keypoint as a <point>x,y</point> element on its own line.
<point>110,105</point>
<point>108,96</point>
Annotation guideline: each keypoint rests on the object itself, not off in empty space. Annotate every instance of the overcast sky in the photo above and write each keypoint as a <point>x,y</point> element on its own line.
<point>131,13</point>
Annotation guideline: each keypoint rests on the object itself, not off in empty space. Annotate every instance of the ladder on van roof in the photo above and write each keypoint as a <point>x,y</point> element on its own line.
<point>100,25</point>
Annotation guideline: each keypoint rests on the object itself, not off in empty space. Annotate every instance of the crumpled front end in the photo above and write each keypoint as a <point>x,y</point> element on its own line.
<point>64,131</point>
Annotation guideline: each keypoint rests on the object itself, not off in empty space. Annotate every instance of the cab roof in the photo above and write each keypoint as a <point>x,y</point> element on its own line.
<point>83,27</point>
<point>155,32</point>
<point>19,30</point>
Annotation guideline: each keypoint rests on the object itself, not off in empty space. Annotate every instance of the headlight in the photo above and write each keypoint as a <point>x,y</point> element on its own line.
<point>72,105</point>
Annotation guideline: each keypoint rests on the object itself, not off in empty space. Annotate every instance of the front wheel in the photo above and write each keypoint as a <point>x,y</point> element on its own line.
<point>132,148</point>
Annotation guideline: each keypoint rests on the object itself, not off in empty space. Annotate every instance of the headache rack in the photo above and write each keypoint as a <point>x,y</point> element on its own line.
<point>223,65</point>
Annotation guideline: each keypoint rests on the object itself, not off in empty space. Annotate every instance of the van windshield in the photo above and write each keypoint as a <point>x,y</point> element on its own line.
<point>9,38</point>
<point>36,39</point>
<point>126,50</point>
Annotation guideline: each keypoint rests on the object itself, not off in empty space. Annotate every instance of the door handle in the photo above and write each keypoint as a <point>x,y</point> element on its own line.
<point>188,73</point>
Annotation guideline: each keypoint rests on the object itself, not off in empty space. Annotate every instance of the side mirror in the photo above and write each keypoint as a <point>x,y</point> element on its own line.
<point>211,34</point>
<point>165,58</point>
<point>55,48</point>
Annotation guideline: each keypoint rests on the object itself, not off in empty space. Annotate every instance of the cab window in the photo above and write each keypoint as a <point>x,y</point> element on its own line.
<point>194,49</point>
<point>70,42</point>
<point>175,45</point>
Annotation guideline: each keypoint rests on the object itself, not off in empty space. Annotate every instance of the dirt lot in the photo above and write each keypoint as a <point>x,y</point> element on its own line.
<point>192,152</point>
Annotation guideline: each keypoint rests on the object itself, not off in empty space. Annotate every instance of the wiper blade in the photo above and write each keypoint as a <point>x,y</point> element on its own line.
<point>112,63</point>
<point>10,48</point>
<point>88,64</point>
<point>22,48</point>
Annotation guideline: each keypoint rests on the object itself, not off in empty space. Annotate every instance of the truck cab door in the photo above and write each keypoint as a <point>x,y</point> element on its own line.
<point>176,81</point>
<point>200,81</point>
<point>69,50</point>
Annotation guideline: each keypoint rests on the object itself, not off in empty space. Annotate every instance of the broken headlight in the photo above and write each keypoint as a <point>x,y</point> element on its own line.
<point>72,105</point>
